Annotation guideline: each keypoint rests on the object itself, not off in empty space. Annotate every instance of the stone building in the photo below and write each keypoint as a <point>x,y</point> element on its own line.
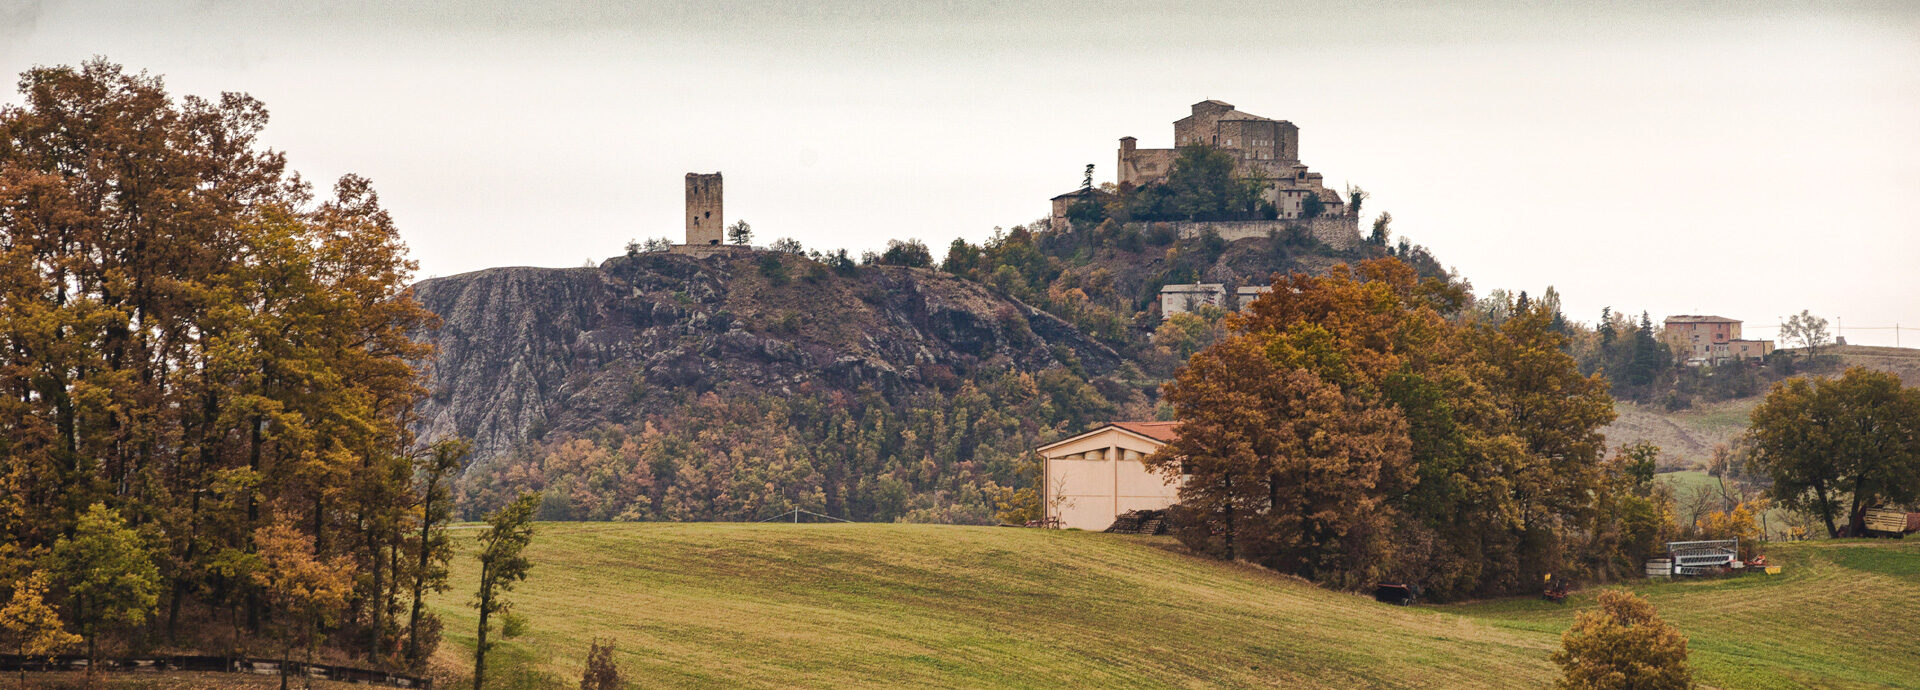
<point>706,223</point>
<point>1181,298</point>
<point>1701,339</point>
<point>1247,294</point>
<point>1263,149</point>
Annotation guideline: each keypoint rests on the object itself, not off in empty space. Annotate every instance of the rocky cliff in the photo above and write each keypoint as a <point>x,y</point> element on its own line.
<point>523,352</point>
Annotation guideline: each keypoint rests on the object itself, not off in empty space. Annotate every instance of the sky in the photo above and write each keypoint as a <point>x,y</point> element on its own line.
<point>1745,159</point>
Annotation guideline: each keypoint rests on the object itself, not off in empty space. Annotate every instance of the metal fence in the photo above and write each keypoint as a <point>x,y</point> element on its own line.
<point>216,664</point>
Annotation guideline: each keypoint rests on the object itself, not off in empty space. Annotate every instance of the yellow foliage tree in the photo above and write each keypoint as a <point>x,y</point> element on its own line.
<point>1623,645</point>
<point>31,625</point>
<point>308,590</point>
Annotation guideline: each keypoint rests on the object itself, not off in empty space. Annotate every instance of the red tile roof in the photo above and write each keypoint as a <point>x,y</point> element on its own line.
<point>1158,431</point>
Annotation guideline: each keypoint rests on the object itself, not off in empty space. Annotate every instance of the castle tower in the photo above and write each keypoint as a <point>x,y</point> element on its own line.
<point>705,222</point>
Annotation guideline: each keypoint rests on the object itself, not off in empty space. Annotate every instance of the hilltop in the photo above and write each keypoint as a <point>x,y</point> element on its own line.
<point>948,606</point>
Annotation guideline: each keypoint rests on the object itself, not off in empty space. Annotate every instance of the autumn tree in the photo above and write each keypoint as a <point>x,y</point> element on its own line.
<point>32,627</point>
<point>194,338</point>
<point>1837,447</point>
<point>307,591</point>
<point>1285,468</point>
<point>1185,333</point>
<point>1623,645</point>
<point>432,549</point>
<point>1475,444</point>
<point>502,566</point>
<point>108,571</point>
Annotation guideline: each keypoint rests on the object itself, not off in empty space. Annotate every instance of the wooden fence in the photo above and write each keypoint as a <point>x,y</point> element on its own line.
<point>220,664</point>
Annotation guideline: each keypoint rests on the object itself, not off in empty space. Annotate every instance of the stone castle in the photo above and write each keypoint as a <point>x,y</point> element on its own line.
<point>1262,149</point>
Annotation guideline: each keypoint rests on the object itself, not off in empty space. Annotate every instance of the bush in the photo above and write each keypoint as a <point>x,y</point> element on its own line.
<point>1623,644</point>
<point>602,673</point>
<point>773,269</point>
<point>513,625</point>
<point>910,253</point>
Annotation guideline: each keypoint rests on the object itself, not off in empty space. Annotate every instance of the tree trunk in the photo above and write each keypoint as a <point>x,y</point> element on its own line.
<point>480,646</point>
<point>1826,509</point>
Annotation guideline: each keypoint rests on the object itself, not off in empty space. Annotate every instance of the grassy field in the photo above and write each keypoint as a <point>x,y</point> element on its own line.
<point>862,605</point>
<point>922,605</point>
<point>1841,614</point>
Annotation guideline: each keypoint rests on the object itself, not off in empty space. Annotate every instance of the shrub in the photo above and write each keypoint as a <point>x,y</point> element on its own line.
<point>911,253</point>
<point>602,673</point>
<point>773,269</point>
<point>1623,644</point>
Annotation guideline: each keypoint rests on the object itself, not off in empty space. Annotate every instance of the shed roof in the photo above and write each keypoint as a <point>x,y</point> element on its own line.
<point>1158,432</point>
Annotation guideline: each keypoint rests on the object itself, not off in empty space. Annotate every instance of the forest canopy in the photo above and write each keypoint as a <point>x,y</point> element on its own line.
<point>1360,426</point>
<point>197,350</point>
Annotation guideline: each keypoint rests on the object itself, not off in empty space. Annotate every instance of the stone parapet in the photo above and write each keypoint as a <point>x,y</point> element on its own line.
<point>1339,232</point>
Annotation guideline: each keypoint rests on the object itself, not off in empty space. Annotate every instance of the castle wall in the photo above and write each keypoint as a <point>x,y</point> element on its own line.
<point>1338,232</point>
<point>706,222</point>
<point>1141,166</point>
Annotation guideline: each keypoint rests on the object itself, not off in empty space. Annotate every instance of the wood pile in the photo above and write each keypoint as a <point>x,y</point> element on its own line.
<point>1140,522</point>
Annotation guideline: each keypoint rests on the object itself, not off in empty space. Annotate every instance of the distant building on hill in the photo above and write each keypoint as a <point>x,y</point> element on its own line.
<point>1090,479</point>
<point>1245,296</point>
<point>1182,298</point>
<point>1263,150</point>
<point>1709,339</point>
<point>706,221</point>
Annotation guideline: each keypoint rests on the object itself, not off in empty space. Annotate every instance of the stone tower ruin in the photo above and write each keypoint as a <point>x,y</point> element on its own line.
<point>705,223</point>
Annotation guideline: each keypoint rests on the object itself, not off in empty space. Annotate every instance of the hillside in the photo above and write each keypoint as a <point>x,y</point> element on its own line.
<point>942,606</point>
<point>733,387</point>
<point>1689,435</point>
<point>704,605</point>
<point>526,351</point>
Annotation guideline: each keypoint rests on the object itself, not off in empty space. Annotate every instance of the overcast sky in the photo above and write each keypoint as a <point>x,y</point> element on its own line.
<point>1748,159</point>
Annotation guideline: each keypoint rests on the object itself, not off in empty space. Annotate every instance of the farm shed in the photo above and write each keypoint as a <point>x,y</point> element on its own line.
<point>1090,479</point>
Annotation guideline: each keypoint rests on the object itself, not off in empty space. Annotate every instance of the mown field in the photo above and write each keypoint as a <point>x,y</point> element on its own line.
<point>1841,614</point>
<point>863,605</point>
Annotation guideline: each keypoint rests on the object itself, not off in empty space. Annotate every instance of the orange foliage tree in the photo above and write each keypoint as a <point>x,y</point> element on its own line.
<point>1412,441</point>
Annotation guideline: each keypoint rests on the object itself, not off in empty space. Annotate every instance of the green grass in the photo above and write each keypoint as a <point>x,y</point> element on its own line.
<point>704,605</point>
<point>922,605</point>
<point>1841,614</point>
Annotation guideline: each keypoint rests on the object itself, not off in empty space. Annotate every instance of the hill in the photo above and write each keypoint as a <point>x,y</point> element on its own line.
<point>946,606</point>
<point>526,351</point>
<point>741,385</point>
<point>1689,435</point>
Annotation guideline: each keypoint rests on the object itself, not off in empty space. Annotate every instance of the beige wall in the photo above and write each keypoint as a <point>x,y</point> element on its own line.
<point>1186,298</point>
<point>1699,338</point>
<point>1092,480</point>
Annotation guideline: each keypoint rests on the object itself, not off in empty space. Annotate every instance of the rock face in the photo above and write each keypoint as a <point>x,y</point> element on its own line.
<point>524,351</point>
